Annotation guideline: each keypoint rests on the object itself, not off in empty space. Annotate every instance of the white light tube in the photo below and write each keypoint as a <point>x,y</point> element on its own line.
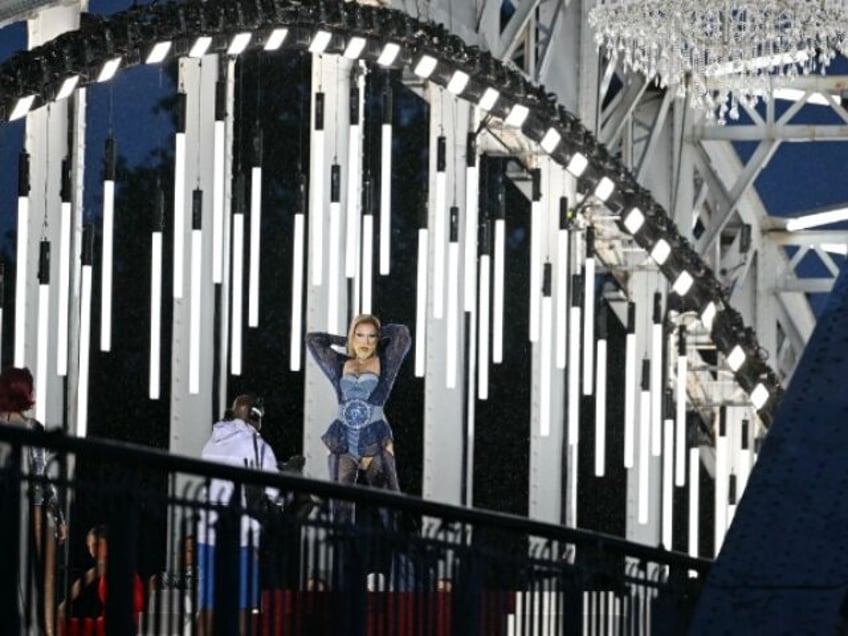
<point>634,220</point>
<point>42,346</point>
<point>239,43</point>
<point>255,246</point>
<point>367,260</point>
<point>815,220</point>
<point>297,292</point>
<point>22,107</point>
<point>551,140</point>
<point>517,115</point>
<point>155,313</point>
<point>644,453</point>
<point>489,99</point>
<point>276,39</point>
<point>458,82</point>
<point>334,248</point>
<point>354,47</point>
<point>421,306</point>
<point>218,201</point>
<point>667,480</point>
<point>680,426</point>
<point>179,212</point>
<point>237,294</point>
<point>759,396</point>
<point>708,316</point>
<point>694,498</point>
<point>683,283</point>
<point>661,251</point>
<point>601,408</point>
<point>545,371</point>
<point>84,351</point>
<point>385,198</point>
<point>604,188</point>
<point>68,87</point>
<point>453,315</point>
<point>106,268</point>
<point>574,376</point>
<point>535,267</point>
<point>588,325</point>
<point>736,358</point>
<point>498,291</point>
<point>470,248</point>
<point>629,399</point>
<point>389,54</point>
<point>158,53</point>
<point>320,42</point>
<point>562,298</point>
<point>316,210</point>
<point>194,312</point>
<point>200,46</point>
<point>439,240</point>
<point>109,69</point>
<point>425,66</point>
<point>656,388</point>
<point>483,350</point>
<point>21,280</point>
<point>578,164</point>
<point>721,488</point>
<point>64,289</point>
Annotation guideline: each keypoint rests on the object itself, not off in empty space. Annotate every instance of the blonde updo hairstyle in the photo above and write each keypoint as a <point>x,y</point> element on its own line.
<point>361,319</point>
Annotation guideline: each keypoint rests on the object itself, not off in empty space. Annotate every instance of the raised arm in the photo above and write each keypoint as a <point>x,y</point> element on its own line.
<point>320,346</point>
<point>394,343</point>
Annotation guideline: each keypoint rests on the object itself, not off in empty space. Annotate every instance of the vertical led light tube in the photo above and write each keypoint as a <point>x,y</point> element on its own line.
<point>255,231</point>
<point>179,195</point>
<point>386,180</point>
<point>440,228</point>
<point>644,441</point>
<point>657,336</point>
<point>21,259</point>
<point>562,284</point>
<point>680,413</point>
<point>453,300</point>
<point>156,296</point>
<point>545,355</point>
<point>721,474</point>
<point>472,193</point>
<point>630,387</point>
<point>367,258</point>
<point>194,312</point>
<point>218,152</point>
<point>601,395</point>
<point>535,253</point>
<point>499,248</point>
<point>574,362</point>
<point>87,254</point>
<point>353,203</point>
<point>744,470</point>
<point>298,249</point>
<point>483,313</point>
<point>421,296</point>
<point>589,312</point>
<point>43,322</point>
<point>108,247</point>
<point>237,273</point>
<point>667,471</point>
<point>694,499</point>
<point>316,184</point>
<point>334,248</point>
<point>63,317</point>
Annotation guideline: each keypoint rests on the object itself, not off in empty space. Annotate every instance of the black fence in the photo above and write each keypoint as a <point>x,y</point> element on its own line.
<point>136,556</point>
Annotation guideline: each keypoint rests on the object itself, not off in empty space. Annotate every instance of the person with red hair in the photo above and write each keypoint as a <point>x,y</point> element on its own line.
<point>16,399</point>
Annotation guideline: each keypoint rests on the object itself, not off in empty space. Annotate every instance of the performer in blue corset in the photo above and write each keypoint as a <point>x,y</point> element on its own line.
<point>360,436</point>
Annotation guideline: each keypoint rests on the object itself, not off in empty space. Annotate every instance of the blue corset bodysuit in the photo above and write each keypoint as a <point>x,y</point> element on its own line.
<point>360,427</point>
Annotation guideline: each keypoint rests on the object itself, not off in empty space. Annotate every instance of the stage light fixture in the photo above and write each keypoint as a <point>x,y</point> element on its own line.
<point>694,499</point>
<point>517,116</point>
<point>644,443</point>
<point>425,66</point>
<point>87,257</point>
<point>551,140</point>
<point>320,42</point>
<point>316,181</point>
<point>680,412</point>
<point>545,355</point>
<point>298,250</point>
<point>354,47</point>
<point>589,313</point>
<point>64,272</point>
<point>158,53</point>
<point>389,54</point>
<point>275,39</point>
<point>736,358</point>
<point>43,322</point>
<point>68,87</point>
<point>239,43</point>
<point>708,315</point>
<point>657,346</point>
<point>604,189</point>
<point>630,387</point>
<point>661,251</point>
<point>22,107</point>
<point>109,69</point>
<point>200,47</point>
<point>386,131</point>
<point>421,295</point>
<point>108,242</point>
<point>453,300</point>
<point>562,274</point>
<point>440,220</point>
<point>574,317</point>
<point>489,99</point>
<point>472,191</point>
<point>683,283</point>
<point>22,258</point>
<point>237,280</point>
<point>156,297</point>
<point>179,195</point>
<point>458,82</point>
<point>577,164</point>
<point>255,232</point>
<point>196,295</point>
<point>633,220</point>
<point>601,396</point>
<point>334,248</point>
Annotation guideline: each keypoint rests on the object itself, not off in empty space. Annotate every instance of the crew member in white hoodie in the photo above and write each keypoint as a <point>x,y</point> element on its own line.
<point>235,440</point>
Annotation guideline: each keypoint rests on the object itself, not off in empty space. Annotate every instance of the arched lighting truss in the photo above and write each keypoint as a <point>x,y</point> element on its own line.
<point>153,33</point>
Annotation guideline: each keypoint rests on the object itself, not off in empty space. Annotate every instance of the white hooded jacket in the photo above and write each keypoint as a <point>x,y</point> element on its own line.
<point>237,443</point>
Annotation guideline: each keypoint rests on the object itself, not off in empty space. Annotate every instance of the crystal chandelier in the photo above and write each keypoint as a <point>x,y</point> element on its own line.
<point>724,53</point>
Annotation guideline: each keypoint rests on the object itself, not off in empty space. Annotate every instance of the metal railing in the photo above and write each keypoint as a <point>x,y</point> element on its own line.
<point>404,566</point>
